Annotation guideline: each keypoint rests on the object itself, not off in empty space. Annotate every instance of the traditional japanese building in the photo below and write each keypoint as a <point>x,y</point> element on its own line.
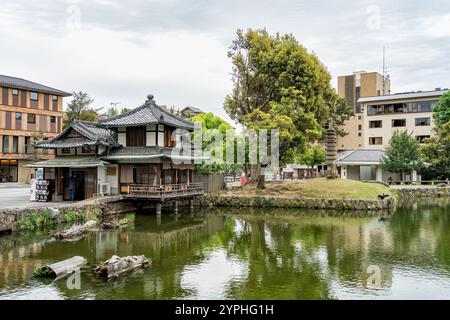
<point>138,154</point>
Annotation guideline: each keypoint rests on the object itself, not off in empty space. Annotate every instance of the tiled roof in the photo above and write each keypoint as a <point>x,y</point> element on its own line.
<point>29,85</point>
<point>133,153</point>
<point>361,156</point>
<point>196,110</point>
<point>65,143</point>
<point>69,162</point>
<point>148,113</point>
<point>91,132</point>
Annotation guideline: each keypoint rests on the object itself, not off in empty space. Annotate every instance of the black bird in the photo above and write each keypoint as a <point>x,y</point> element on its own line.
<point>382,196</point>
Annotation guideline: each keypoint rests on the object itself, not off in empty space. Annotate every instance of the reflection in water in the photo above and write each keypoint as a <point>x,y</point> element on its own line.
<point>250,254</point>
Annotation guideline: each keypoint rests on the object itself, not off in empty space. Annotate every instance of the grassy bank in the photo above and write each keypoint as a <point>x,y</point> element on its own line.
<point>315,189</point>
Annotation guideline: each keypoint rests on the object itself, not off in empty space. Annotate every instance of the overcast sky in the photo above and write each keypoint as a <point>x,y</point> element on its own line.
<point>119,51</point>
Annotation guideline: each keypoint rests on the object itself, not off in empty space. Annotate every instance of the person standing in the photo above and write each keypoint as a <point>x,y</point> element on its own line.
<point>72,188</point>
<point>243,179</point>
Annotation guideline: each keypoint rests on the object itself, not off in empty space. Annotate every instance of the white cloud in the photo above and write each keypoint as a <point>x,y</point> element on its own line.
<point>437,26</point>
<point>177,49</point>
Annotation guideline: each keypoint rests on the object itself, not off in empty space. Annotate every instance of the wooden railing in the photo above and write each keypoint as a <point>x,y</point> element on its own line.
<point>165,191</point>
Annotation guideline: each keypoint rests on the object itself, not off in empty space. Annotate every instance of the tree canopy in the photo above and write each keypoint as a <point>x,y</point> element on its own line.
<point>313,156</point>
<point>80,108</point>
<point>210,126</point>
<point>441,112</point>
<point>436,151</point>
<point>277,83</point>
<point>402,154</point>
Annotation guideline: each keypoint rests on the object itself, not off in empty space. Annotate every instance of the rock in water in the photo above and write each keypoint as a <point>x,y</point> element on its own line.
<point>74,231</point>
<point>117,266</point>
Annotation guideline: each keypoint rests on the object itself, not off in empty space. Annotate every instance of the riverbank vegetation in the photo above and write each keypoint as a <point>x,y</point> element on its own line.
<point>319,188</point>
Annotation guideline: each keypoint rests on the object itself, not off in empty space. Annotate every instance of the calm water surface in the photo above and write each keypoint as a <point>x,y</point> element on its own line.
<point>249,254</point>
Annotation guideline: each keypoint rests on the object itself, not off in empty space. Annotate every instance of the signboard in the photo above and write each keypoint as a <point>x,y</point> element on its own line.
<point>39,190</point>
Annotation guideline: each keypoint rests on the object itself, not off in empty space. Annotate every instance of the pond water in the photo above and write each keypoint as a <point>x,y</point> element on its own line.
<point>249,254</point>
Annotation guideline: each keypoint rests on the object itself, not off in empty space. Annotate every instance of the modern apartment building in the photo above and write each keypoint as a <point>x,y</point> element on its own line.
<point>410,111</point>
<point>28,111</point>
<point>352,88</point>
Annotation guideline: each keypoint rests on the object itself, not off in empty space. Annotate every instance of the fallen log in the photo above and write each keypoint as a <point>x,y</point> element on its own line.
<point>60,269</point>
<point>117,266</point>
<point>74,231</point>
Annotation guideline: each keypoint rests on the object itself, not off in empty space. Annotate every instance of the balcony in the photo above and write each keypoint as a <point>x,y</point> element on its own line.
<point>163,192</point>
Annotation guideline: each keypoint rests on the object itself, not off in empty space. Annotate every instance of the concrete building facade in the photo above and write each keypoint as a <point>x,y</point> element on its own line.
<point>28,111</point>
<point>352,88</point>
<point>411,112</point>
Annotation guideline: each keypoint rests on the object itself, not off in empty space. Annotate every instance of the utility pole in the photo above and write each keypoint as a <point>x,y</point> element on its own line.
<point>385,70</point>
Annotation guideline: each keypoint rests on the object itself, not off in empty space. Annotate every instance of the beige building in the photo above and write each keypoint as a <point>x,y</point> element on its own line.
<point>383,115</point>
<point>352,88</point>
<point>28,110</point>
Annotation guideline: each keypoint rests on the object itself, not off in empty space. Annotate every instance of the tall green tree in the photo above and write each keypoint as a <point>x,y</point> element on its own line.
<point>112,112</point>
<point>210,125</point>
<point>402,155</point>
<point>441,112</point>
<point>80,108</point>
<point>313,156</point>
<point>436,152</point>
<point>277,82</point>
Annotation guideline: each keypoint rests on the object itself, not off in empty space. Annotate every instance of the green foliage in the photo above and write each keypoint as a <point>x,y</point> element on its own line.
<point>35,220</point>
<point>402,154</point>
<point>212,127</point>
<point>112,112</point>
<point>72,216</point>
<point>127,219</point>
<point>124,110</point>
<point>313,156</point>
<point>436,152</point>
<point>441,112</point>
<point>79,108</point>
<point>277,83</point>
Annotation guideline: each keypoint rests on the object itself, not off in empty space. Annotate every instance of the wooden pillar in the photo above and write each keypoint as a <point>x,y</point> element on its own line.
<point>158,221</point>
<point>191,205</point>
<point>175,207</point>
<point>158,208</point>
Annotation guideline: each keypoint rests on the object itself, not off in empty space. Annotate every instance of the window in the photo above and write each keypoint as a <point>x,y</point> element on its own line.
<point>376,141</point>
<point>55,98</point>
<point>398,123</point>
<point>376,124</point>
<point>18,116</point>
<point>160,141</point>
<point>359,134</point>
<point>31,118</point>
<point>65,150</point>
<point>136,136</point>
<point>421,138</point>
<point>52,119</point>
<point>86,149</point>
<point>359,117</point>
<point>33,96</point>
<point>410,107</point>
<point>5,144</point>
<point>359,127</point>
<point>422,122</point>
<point>15,92</point>
<point>27,145</point>
<point>15,144</point>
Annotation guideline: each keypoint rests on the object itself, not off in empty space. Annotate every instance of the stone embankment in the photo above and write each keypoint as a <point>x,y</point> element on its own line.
<point>100,207</point>
<point>422,192</point>
<point>305,203</point>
